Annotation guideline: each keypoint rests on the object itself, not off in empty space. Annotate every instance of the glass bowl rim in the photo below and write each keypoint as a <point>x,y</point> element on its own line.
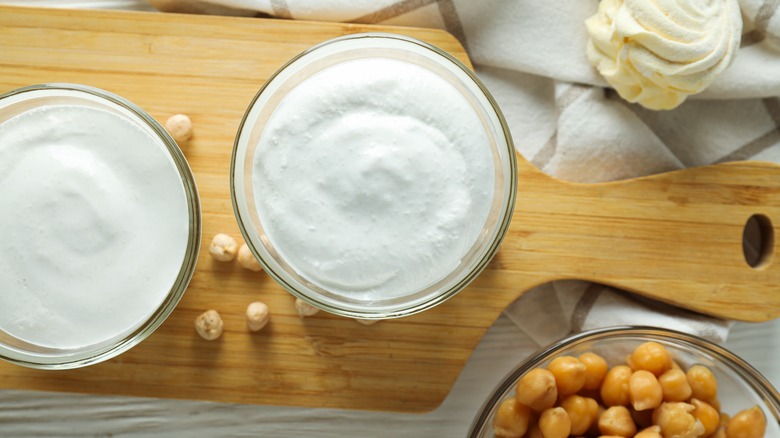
<point>502,223</point>
<point>746,372</point>
<point>79,359</point>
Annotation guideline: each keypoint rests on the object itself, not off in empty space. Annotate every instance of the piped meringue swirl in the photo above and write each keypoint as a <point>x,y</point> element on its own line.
<point>658,52</point>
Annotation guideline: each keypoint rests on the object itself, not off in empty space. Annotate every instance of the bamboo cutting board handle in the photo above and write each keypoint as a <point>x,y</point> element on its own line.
<point>676,237</point>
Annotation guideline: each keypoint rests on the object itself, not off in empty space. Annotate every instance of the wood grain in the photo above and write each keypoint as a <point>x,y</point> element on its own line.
<point>676,236</point>
<point>210,68</point>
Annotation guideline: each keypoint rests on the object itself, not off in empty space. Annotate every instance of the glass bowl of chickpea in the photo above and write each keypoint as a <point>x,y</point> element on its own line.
<point>641,382</point>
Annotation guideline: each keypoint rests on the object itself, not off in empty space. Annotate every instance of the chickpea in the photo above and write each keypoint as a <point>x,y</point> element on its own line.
<point>650,432</point>
<point>180,128</point>
<point>257,316</point>
<point>582,397</point>
<point>676,420</point>
<point>366,321</point>
<point>720,433</point>
<point>650,356</point>
<point>615,389</point>
<point>595,369</point>
<point>749,423</point>
<point>583,411</point>
<point>534,431</point>
<point>675,385</point>
<point>209,325</point>
<point>247,260</point>
<point>594,427</point>
<point>707,415</point>
<point>644,390</point>
<point>715,403</point>
<point>617,421</point>
<point>569,374</point>
<point>595,410</point>
<point>555,423</point>
<point>511,420</point>
<point>537,390</point>
<point>305,309</point>
<point>703,383</point>
<point>223,247</point>
<point>723,423</point>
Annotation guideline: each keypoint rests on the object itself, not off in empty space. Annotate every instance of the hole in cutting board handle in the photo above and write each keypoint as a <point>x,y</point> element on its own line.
<point>758,241</point>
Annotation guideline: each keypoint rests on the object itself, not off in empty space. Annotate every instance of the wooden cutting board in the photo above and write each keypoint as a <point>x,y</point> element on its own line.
<point>210,68</point>
<point>676,237</point>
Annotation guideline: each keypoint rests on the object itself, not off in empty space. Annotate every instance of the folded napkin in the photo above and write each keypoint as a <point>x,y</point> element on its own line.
<point>531,54</point>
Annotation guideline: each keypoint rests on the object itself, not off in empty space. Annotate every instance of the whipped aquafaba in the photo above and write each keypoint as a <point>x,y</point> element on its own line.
<point>93,226</point>
<point>373,178</point>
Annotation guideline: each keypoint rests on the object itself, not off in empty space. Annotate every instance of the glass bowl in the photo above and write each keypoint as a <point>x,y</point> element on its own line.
<point>740,386</point>
<point>250,137</point>
<point>76,187</point>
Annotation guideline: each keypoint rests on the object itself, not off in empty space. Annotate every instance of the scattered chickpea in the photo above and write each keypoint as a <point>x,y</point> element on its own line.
<point>749,423</point>
<point>223,247</point>
<point>644,390</point>
<point>703,383</point>
<point>555,423</point>
<point>707,415</point>
<point>675,385</point>
<point>537,390</point>
<point>209,325</point>
<point>650,356</point>
<point>615,389</point>
<point>367,321</point>
<point>247,260</point>
<point>595,369</point>
<point>650,432</point>
<point>676,420</point>
<point>180,128</point>
<point>617,421</point>
<point>582,411</point>
<point>511,420</point>
<point>305,309</point>
<point>569,374</point>
<point>257,316</point>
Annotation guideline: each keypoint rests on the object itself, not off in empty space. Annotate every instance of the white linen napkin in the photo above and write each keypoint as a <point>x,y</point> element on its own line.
<point>531,55</point>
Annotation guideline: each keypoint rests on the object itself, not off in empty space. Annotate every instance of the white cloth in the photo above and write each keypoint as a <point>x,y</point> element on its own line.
<point>531,55</point>
<point>534,36</point>
<point>529,102</point>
